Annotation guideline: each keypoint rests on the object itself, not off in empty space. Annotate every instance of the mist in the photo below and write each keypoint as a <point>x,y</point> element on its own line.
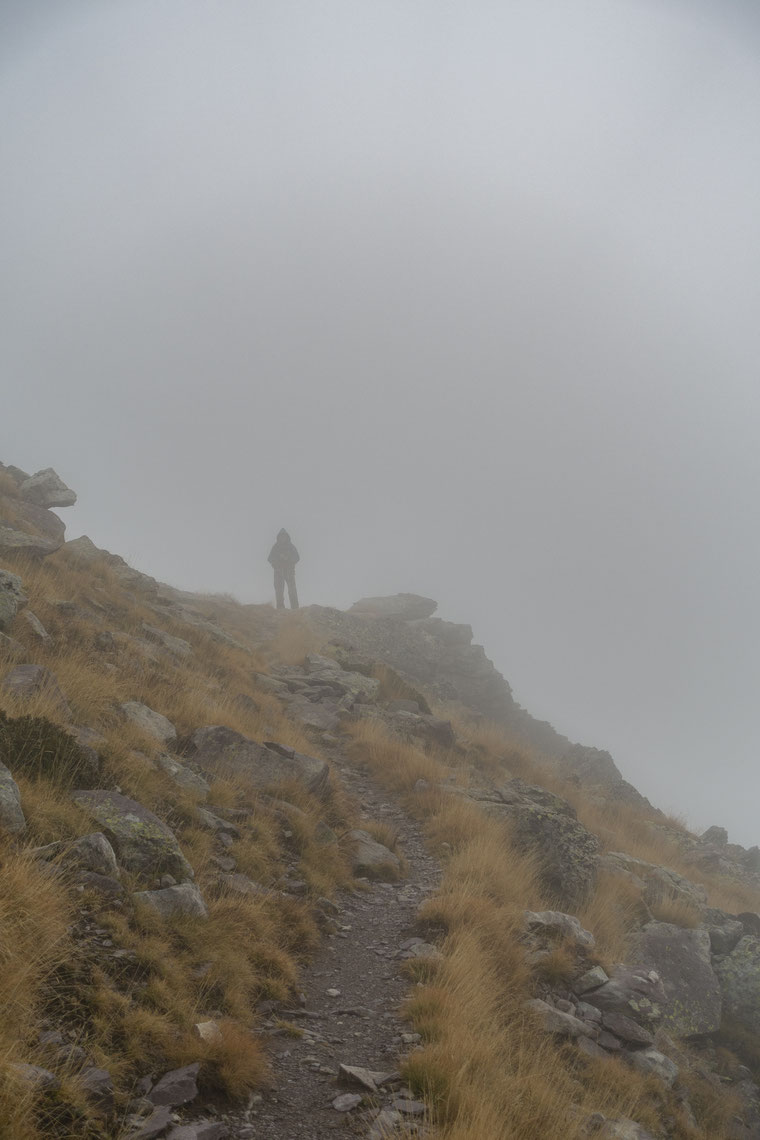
<point>464,296</point>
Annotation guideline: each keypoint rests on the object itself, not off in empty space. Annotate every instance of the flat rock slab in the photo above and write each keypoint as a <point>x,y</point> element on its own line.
<point>177,1087</point>
<point>141,841</point>
<point>220,751</point>
<point>681,957</point>
<point>149,721</point>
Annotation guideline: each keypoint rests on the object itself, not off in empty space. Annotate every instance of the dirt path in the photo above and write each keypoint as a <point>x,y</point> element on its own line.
<point>360,1024</point>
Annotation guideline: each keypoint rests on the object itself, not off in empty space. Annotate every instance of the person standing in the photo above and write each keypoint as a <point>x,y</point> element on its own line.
<point>282,558</point>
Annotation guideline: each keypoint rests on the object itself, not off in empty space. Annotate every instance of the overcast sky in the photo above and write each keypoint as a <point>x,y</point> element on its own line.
<point>463,294</point>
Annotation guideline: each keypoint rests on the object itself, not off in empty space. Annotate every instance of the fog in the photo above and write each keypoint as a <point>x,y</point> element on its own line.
<point>465,295</point>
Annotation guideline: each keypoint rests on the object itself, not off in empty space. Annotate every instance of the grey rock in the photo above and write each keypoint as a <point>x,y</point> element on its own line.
<point>141,841</point>
<point>714,834</point>
<point>104,885</point>
<point>83,549</point>
<point>37,628</point>
<point>90,853</point>
<point>176,645</point>
<point>269,684</point>
<point>149,721</point>
<point>220,751</point>
<point>369,1079</point>
<point>90,743</point>
<point>386,1123</point>
<point>47,489</point>
<point>368,857</point>
<point>177,1087</point>
<point>200,1130</point>
<point>403,706</point>
<point>430,729</point>
<point>555,1021</point>
<point>98,1085</point>
<point>558,925</point>
<point>651,1061</point>
<point>626,1029</point>
<point>37,545</point>
<point>24,682</point>
<point>590,1047</point>
<point>182,776</point>
<point>739,977</point>
<point>407,607</point>
<point>240,884</point>
<point>545,823</point>
<point>725,936</point>
<point>591,980</point>
<point>682,959</point>
<point>12,819</point>
<point>157,1123</point>
<point>185,898</point>
<point>12,598</point>
<point>212,822</point>
<point>660,883</point>
<point>637,992</point>
<point>588,1012</point>
<point>40,1079</point>
<point>346,1101</point>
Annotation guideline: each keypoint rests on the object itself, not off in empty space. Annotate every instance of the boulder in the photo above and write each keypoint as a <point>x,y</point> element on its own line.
<point>142,843</point>
<point>24,682</point>
<point>182,776</point>
<point>651,1061</point>
<point>594,768</point>
<point>339,681</point>
<point>176,645</point>
<point>37,628</point>
<point>184,898</point>
<point>545,823</point>
<point>12,598</point>
<point>37,520</point>
<point>149,721</point>
<point>739,977</point>
<point>692,1005</point>
<point>636,992</point>
<point>11,816</point>
<point>177,1087</point>
<point>220,751</point>
<point>591,980</point>
<point>41,1080</point>
<point>47,489</point>
<point>557,925</point>
<point>430,729</point>
<point>555,1021</point>
<point>371,858</point>
<point>90,853</point>
<point>83,549</point>
<point>153,1125</point>
<point>626,1029</point>
<point>407,607</point>
<point>18,540</point>
<point>716,835</point>
<point>97,1084</point>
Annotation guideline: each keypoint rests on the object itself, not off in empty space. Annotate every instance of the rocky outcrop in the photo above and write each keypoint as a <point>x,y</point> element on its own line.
<point>597,771</point>
<point>681,958</point>
<point>220,751</point>
<point>47,489</point>
<point>547,824</point>
<point>142,843</point>
<point>436,654</point>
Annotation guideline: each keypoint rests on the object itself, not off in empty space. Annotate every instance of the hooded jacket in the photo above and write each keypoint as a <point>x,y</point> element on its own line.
<point>283,555</point>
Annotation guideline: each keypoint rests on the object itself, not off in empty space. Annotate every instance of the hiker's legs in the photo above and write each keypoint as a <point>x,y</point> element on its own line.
<point>279,588</point>
<point>290,578</point>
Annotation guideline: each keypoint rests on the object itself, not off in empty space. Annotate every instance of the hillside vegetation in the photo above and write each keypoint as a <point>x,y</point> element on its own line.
<point>105,971</point>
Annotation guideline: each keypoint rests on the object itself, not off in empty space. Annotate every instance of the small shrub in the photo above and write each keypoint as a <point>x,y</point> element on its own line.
<point>37,748</point>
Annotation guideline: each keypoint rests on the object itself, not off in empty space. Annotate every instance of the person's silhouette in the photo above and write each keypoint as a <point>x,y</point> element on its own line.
<point>283,557</point>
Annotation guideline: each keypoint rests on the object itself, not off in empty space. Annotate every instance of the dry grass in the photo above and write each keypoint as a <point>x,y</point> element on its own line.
<point>140,1009</point>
